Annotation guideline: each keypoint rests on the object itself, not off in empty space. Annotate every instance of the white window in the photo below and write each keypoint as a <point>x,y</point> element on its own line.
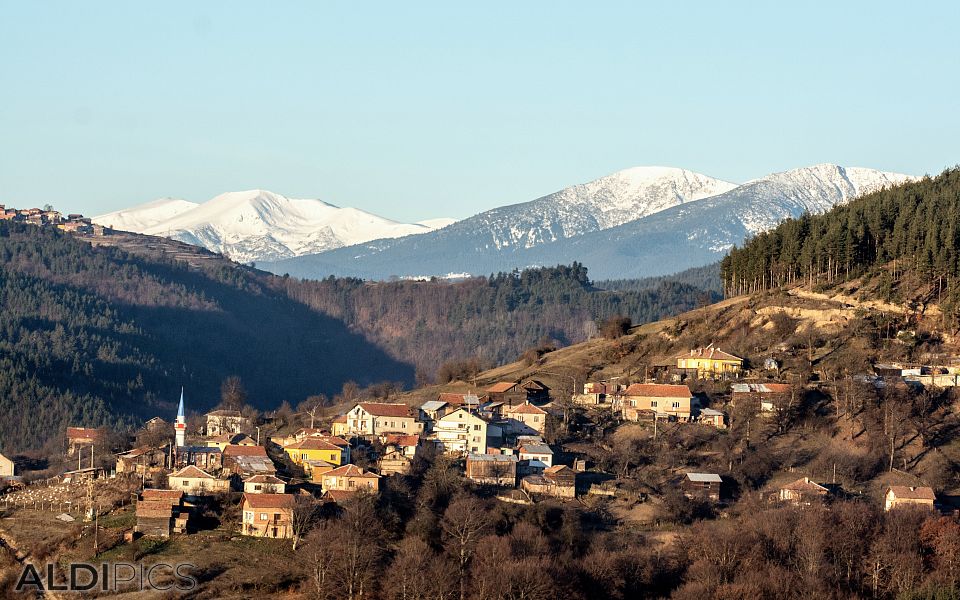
<point>247,516</point>
<point>264,516</point>
<point>676,405</point>
<point>653,404</point>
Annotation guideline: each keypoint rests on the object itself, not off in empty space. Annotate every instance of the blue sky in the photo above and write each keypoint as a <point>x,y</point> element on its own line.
<point>416,110</point>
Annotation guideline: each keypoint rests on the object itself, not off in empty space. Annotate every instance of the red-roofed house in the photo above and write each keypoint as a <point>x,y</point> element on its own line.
<point>267,515</point>
<point>671,401</point>
<point>525,419</point>
<point>375,418</point>
<point>910,496</point>
<point>264,484</point>
<point>82,437</point>
<point>350,478</point>
<point>196,482</point>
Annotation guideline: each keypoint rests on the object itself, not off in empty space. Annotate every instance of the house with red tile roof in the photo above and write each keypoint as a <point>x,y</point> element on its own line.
<point>650,400</point>
<point>264,484</point>
<point>267,515</point>
<point>196,482</point>
<point>376,418</point>
<point>81,438</point>
<point>351,478</point>
<point>898,496</point>
<point>525,419</point>
<point>802,492</point>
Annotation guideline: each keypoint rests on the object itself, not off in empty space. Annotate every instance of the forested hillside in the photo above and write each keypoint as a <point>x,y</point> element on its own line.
<point>494,318</point>
<point>94,336</point>
<point>107,335</point>
<point>914,228</point>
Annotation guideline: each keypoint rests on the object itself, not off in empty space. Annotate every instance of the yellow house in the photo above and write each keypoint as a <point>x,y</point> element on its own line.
<point>331,450</point>
<point>711,363</point>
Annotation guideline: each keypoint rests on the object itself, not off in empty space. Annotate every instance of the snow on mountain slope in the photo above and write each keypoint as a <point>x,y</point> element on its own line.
<point>679,236</point>
<point>600,204</point>
<point>143,216</point>
<point>257,225</point>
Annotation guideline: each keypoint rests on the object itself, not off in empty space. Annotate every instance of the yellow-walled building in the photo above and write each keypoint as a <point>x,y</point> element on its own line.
<point>329,449</point>
<point>711,363</point>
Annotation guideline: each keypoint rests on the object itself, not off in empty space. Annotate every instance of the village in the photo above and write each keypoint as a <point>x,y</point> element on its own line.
<point>48,217</point>
<point>496,435</point>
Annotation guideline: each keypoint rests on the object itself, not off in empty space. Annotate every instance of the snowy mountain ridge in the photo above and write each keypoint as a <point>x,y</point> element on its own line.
<point>675,231</point>
<point>255,225</point>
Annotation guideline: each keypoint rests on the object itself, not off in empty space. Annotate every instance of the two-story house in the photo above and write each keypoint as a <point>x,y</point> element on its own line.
<point>710,363</point>
<point>267,515</point>
<point>670,401</point>
<point>463,432</point>
<point>525,419</point>
<point>350,478</point>
<point>375,418</point>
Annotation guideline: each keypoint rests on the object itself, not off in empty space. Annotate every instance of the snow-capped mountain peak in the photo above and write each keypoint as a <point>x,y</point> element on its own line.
<point>255,225</point>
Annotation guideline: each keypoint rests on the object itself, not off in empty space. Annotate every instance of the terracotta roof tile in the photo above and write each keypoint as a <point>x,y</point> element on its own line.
<point>501,387</point>
<point>912,493</point>
<point>192,472</point>
<point>350,471</point>
<point>657,390</point>
<point>526,409</point>
<point>245,451</point>
<point>382,409</point>
<point>268,500</point>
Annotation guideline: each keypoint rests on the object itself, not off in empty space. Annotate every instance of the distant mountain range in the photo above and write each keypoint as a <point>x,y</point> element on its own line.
<point>640,222</point>
<point>258,225</point>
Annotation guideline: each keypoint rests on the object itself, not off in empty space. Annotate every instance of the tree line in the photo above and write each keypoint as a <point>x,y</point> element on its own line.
<point>914,227</point>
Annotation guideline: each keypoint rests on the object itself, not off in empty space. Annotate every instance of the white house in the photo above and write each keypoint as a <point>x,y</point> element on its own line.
<point>264,484</point>
<point>464,432</point>
<point>374,418</point>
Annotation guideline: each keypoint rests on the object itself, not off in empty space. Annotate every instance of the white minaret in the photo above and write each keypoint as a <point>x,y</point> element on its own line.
<point>181,425</point>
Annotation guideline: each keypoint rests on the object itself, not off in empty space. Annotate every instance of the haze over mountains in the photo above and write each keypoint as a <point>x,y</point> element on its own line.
<point>635,223</point>
<point>258,225</point>
<point>638,222</point>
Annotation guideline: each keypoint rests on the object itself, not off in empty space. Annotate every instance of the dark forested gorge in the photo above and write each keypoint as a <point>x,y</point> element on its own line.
<point>915,228</point>
<point>495,318</point>
<point>96,336</point>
